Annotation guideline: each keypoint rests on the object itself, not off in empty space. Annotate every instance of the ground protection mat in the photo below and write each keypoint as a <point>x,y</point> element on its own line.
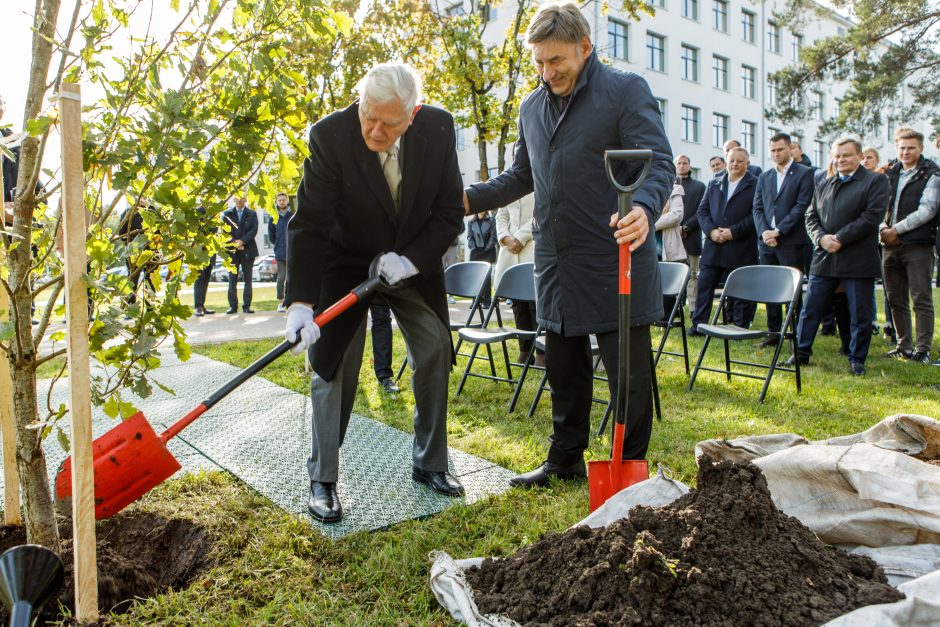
<point>261,433</point>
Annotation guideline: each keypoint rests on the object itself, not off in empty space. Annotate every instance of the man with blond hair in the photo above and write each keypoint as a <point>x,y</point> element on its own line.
<point>842,223</point>
<point>909,234</point>
<point>580,108</point>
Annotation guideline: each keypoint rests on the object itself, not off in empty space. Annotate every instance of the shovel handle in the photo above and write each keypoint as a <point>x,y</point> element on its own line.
<point>358,293</point>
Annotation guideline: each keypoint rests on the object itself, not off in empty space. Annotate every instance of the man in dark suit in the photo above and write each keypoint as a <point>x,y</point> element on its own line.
<point>382,178</point>
<point>691,231</point>
<point>726,217</point>
<point>242,224</point>
<point>783,194</point>
<point>842,222</point>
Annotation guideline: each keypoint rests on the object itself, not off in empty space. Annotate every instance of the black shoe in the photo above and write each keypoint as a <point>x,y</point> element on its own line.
<point>389,385</point>
<point>439,481</point>
<point>248,310</point>
<point>804,361</point>
<point>324,502</point>
<point>694,332</point>
<point>920,357</point>
<point>856,368</point>
<point>890,335</point>
<point>198,312</point>
<point>772,339</point>
<point>897,353</point>
<point>827,331</point>
<point>232,310</point>
<point>541,475</point>
<point>207,312</point>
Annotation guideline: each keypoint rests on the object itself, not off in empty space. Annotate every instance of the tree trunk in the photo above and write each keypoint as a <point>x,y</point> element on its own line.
<point>34,480</point>
<point>481,152</point>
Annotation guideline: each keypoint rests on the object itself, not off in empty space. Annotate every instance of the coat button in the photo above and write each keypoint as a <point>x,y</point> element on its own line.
<point>551,148</point>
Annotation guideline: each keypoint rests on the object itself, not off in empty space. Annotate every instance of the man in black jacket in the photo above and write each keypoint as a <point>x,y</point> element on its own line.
<point>691,232</point>
<point>842,222</point>
<point>242,224</point>
<point>909,233</point>
<point>727,219</point>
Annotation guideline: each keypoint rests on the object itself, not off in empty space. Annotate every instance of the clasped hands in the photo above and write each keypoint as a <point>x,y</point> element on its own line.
<point>511,244</point>
<point>889,236</point>
<point>720,235</point>
<point>770,237</point>
<point>830,243</point>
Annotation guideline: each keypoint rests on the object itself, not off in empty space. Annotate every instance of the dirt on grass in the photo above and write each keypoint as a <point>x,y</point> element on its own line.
<point>721,555</point>
<point>140,555</point>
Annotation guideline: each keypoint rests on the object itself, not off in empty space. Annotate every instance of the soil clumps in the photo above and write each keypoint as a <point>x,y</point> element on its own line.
<point>721,555</point>
<point>140,555</point>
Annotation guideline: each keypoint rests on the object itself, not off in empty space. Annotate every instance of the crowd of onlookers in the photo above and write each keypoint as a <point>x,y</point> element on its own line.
<point>846,225</point>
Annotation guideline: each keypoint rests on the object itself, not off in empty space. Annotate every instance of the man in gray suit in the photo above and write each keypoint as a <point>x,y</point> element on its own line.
<point>381,178</point>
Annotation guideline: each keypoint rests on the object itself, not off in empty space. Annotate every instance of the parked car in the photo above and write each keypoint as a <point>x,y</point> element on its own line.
<point>265,269</point>
<point>220,272</point>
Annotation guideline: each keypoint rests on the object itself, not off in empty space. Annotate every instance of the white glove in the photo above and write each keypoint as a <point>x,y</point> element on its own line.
<point>300,320</point>
<point>395,268</point>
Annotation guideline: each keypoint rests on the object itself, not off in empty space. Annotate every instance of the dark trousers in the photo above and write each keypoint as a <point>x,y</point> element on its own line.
<point>738,312</point>
<point>524,313</point>
<point>381,315</point>
<point>907,271</point>
<point>820,292</point>
<point>281,277</point>
<point>242,262</point>
<point>792,256</point>
<point>201,286</point>
<point>570,370</point>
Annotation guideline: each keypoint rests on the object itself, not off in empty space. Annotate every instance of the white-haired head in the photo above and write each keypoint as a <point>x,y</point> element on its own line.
<point>387,82</point>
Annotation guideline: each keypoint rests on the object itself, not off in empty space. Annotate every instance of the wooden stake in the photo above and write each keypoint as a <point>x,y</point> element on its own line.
<point>11,476</point>
<point>76,307</point>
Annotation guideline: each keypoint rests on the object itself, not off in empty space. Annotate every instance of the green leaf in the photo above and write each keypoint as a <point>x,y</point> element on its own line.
<point>127,410</point>
<point>98,13</point>
<point>63,439</point>
<point>37,126</point>
<point>111,408</point>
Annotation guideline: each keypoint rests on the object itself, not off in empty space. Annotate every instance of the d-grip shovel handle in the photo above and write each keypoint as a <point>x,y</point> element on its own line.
<point>626,192</point>
<point>358,293</point>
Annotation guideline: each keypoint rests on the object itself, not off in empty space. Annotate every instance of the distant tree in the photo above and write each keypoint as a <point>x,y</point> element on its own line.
<point>892,42</point>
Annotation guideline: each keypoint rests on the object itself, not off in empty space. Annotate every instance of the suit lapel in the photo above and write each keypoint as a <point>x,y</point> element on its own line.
<point>414,146</point>
<point>786,180</point>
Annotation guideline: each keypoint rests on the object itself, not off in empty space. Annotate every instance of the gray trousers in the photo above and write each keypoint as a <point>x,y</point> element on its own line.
<point>429,355</point>
<point>691,291</point>
<point>907,270</point>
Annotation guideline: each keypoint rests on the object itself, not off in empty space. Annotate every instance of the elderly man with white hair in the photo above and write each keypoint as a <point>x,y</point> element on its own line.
<point>382,178</point>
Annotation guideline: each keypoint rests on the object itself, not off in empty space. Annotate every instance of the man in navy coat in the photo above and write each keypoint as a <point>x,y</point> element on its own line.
<point>783,194</point>
<point>727,219</point>
<point>242,225</point>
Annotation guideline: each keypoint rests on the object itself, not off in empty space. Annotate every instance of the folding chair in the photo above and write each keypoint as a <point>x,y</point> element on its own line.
<point>464,280</point>
<point>674,278</point>
<point>516,283</point>
<point>773,285</point>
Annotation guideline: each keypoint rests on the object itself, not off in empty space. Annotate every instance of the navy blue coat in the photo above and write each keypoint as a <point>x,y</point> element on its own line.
<point>246,230</point>
<point>277,233</point>
<point>560,155</point>
<point>736,214</point>
<point>788,205</point>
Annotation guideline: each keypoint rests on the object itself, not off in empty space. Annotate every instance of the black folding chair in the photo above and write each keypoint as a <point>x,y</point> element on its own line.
<point>770,285</point>
<point>674,278</point>
<point>464,280</point>
<point>516,283</point>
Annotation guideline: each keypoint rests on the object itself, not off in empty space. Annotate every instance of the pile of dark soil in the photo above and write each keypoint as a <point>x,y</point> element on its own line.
<point>721,555</point>
<point>140,555</point>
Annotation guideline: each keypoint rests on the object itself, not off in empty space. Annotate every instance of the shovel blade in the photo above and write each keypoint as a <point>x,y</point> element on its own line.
<point>601,483</point>
<point>129,461</point>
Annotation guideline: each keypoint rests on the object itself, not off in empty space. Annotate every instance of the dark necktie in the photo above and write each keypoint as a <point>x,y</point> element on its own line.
<point>564,102</point>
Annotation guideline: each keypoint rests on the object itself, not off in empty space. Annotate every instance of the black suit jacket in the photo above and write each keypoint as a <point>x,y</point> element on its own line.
<point>850,210</point>
<point>737,214</point>
<point>346,217</point>
<point>245,230</point>
<point>787,206</point>
<point>692,232</point>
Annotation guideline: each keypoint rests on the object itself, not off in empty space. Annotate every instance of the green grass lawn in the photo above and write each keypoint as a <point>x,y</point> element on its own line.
<point>274,569</point>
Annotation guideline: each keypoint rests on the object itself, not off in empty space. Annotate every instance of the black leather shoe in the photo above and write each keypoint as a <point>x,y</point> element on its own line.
<point>441,482</point>
<point>207,312</point>
<point>542,475</point>
<point>324,502</point>
<point>804,361</point>
<point>389,385</point>
<point>771,340</point>
<point>198,312</point>
<point>232,310</point>
<point>248,310</point>
<point>694,332</point>
<point>856,368</point>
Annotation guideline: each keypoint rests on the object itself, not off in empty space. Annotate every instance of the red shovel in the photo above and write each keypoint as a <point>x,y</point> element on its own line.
<point>607,478</point>
<point>131,459</point>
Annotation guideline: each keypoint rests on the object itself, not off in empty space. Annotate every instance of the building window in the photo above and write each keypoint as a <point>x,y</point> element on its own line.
<point>455,10</point>
<point>795,47</point>
<point>773,37</point>
<point>797,138</point>
<point>659,4</point>
<point>771,131</point>
<point>695,173</point>
<point>748,21</point>
<point>771,91</point>
<point>820,155</point>
<point>662,110</point>
<point>720,15</point>
<point>748,132</point>
<point>617,39</point>
<point>748,80</point>
<point>720,73</point>
<point>720,124</point>
<point>818,105</point>
<point>690,122</point>
<point>460,139</point>
<point>690,9</point>
<point>689,63</point>
<point>655,52</point>
<point>889,126</point>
